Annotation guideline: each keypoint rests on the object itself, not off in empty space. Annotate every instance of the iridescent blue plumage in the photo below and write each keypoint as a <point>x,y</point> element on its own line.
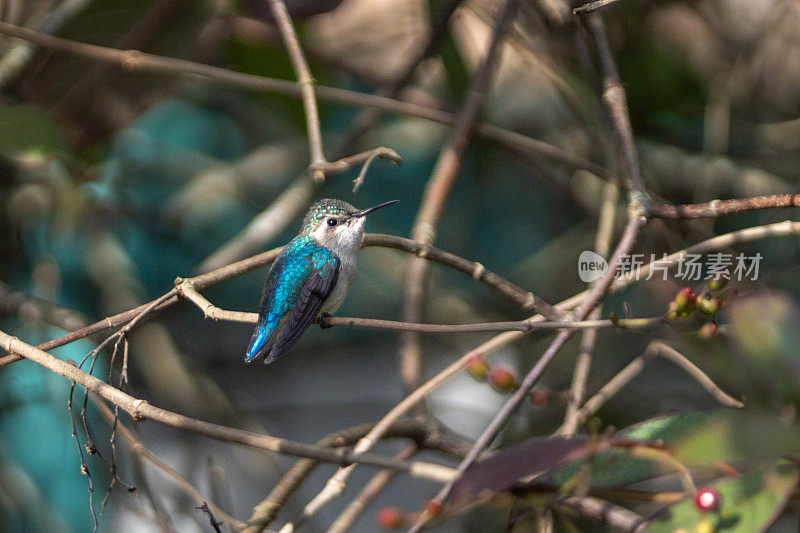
<point>302,264</point>
<point>309,277</point>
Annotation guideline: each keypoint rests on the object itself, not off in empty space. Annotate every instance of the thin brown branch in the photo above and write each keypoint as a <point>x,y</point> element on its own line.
<point>614,98</point>
<point>370,491</point>
<point>19,56</point>
<point>526,299</point>
<point>107,323</point>
<point>137,448</point>
<point>717,208</point>
<point>437,190</point>
<point>617,107</point>
<point>605,231</point>
<point>367,118</point>
<point>426,434</point>
<point>612,516</point>
<point>595,294</point>
<point>188,291</point>
<point>306,82</point>
<point>475,270</point>
<point>633,369</point>
<point>593,6</point>
<point>134,60</point>
<point>34,308</point>
<point>140,409</point>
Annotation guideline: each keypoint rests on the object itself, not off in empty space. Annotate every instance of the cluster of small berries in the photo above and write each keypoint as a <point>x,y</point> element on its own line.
<point>709,302</point>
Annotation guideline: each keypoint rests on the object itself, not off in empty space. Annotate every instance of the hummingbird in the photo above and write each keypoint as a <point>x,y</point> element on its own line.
<point>310,276</point>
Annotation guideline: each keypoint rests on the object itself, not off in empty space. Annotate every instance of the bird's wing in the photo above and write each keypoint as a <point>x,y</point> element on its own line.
<point>281,289</point>
<point>323,273</point>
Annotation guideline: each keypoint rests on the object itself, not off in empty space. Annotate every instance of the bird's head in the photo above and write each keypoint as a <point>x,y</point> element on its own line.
<point>338,225</point>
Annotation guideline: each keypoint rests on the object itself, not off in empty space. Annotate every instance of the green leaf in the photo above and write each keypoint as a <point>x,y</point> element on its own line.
<point>748,436</point>
<point>748,504</point>
<point>695,440</point>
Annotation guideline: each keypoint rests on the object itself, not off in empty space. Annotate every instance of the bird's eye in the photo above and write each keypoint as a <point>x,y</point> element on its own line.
<point>332,221</point>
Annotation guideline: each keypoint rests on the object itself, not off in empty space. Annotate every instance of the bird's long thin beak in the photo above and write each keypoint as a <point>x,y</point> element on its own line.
<point>369,210</point>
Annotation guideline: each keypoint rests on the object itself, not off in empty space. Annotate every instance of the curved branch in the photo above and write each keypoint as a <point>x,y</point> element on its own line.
<point>135,60</point>
<point>139,449</point>
<point>425,433</point>
<point>633,369</point>
<point>141,409</point>
<point>473,269</point>
<point>187,290</point>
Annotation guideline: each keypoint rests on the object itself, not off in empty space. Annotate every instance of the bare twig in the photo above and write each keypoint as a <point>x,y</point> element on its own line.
<point>18,57</point>
<point>613,516</point>
<point>140,450</point>
<point>526,299</point>
<point>306,83</point>
<point>370,491</point>
<point>214,523</point>
<point>141,409</point>
<point>135,60</point>
<point>436,193</point>
<point>595,294</point>
<point>716,208</point>
<point>426,434</point>
<point>592,6</point>
<point>605,229</point>
<point>638,201</point>
<point>633,368</point>
<point>366,118</point>
<point>187,290</point>
<point>617,106</point>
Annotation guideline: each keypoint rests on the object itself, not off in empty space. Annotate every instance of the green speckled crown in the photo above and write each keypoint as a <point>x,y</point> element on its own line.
<point>322,209</point>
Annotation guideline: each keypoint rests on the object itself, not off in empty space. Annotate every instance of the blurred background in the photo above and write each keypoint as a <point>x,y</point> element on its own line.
<point>114,182</point>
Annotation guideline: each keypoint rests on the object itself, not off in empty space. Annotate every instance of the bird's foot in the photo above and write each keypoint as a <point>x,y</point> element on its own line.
<point>323,320</point>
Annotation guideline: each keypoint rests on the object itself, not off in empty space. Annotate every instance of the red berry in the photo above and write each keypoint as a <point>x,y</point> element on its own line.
<point>433,508</point>
<point>390,518</point>
<point>477,367</point>
<point>502,379</point>
<point>540,397</point>
<point>706,500</point>
<point>708,330</point>
<point>685,301</point>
